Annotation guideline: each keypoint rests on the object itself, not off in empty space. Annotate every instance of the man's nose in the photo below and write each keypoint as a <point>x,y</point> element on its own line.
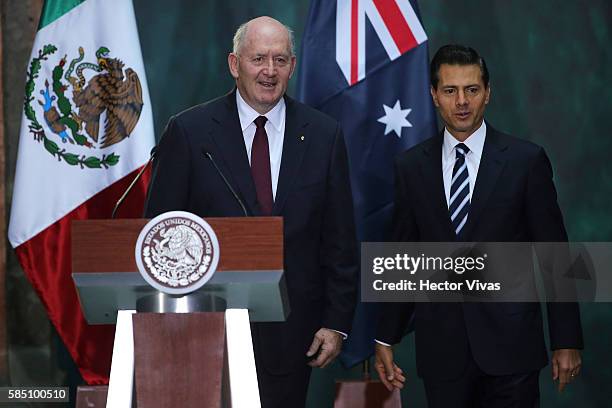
<point>461,99</point>
<point>270,68</point>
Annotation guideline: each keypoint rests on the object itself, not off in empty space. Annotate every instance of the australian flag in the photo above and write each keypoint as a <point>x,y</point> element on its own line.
<point>365,63</point>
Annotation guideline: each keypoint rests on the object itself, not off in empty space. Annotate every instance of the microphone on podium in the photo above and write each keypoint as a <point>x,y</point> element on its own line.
<point>133,183</point>
<point>229,186</point>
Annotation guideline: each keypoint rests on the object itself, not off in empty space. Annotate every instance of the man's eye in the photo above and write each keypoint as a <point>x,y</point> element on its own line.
<point>449,91</point>
<point>258,59</point>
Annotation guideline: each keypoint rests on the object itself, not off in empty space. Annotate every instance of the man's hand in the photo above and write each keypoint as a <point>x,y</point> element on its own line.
<point>390,374</point>
<point>328,344</point>
<point>566,364</point>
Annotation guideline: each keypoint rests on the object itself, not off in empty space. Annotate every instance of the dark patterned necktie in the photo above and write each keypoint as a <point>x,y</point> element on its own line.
<point>260,167</point>
<point>459,202</point>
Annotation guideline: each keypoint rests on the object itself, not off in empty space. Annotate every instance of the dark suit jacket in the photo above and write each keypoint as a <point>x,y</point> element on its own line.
<point>313,197</point>
<point>514,200</point>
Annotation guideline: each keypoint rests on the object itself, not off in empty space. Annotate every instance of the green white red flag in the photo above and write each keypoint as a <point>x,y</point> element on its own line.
<point>86,129</point>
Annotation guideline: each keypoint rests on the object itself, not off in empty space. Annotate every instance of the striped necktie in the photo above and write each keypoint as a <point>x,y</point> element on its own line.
<point>459,202</point>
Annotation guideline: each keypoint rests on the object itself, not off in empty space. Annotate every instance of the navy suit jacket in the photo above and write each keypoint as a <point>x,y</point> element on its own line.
<point>313,197</point>
<point>514,200</point>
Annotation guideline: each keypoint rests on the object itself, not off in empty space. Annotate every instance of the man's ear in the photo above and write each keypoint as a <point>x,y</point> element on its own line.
<point>232,62</point>
<point>488,94</point>
<point>434,96</point>
<point>293,62</point>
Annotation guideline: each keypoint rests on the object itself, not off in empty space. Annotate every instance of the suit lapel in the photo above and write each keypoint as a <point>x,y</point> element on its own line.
<point>431,169</point>
<point>491,164</point>
<point>230,142</point>
<point>295,143</point>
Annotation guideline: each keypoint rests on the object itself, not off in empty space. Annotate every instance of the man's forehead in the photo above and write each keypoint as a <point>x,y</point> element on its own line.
<point>263,47</point>
<point>459,74</point>
<point>264,42</point>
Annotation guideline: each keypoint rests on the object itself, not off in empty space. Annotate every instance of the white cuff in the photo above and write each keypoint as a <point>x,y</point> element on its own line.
<point>382,342</point>
<point>343,334</point>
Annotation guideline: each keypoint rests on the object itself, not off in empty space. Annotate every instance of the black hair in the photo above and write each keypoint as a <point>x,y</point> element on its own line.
<point>456,54</point>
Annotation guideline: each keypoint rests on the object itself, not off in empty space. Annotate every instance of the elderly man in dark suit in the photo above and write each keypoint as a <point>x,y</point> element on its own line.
<point>475,184</point>
<point>281,158</point>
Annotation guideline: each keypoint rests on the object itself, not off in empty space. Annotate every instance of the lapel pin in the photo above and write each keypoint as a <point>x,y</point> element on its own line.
<point>302,138</point>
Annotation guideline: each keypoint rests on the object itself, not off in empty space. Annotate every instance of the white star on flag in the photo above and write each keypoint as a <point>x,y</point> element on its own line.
<point>395,119</point>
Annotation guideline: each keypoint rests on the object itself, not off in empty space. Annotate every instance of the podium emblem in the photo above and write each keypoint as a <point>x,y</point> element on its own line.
<point>177,252</point>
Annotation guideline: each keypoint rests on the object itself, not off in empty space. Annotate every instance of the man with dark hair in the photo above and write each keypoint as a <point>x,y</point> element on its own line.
<point>283,159</point>
<point>457,55</point>
<point>475,184</point>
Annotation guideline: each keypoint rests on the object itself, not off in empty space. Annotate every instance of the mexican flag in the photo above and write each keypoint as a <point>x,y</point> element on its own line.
<point>86,130</point>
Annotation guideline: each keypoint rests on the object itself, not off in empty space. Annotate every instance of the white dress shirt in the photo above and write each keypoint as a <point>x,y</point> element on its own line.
<point>474,142</point>
<point>275,129</point>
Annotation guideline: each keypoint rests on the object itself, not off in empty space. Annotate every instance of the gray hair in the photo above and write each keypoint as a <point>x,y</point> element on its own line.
<point>241,34</point>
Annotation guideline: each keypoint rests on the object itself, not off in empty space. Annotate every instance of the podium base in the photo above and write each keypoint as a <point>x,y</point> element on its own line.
<point>364,394</point>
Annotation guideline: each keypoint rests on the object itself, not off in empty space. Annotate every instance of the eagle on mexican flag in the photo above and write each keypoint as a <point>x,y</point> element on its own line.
<point>86,129</point>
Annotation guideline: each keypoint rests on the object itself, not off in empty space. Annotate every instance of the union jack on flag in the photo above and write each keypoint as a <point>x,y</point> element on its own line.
<point>394,21</point>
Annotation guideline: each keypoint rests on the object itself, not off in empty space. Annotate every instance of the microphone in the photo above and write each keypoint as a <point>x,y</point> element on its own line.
<point>229,186</point>
<point>133,183</point>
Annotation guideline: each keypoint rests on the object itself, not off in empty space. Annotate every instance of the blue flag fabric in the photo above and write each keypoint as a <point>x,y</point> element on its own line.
<point>365,63</point>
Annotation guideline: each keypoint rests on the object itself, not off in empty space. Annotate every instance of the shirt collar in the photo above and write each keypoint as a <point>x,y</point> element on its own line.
<point>247,114</point>
<point>474,142</point>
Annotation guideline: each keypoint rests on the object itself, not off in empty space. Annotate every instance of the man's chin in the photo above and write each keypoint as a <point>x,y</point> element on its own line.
<point>463,127</point>
<point>269,100</point>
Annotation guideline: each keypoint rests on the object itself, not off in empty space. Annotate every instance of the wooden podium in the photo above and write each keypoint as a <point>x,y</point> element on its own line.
<point>182,359</point>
